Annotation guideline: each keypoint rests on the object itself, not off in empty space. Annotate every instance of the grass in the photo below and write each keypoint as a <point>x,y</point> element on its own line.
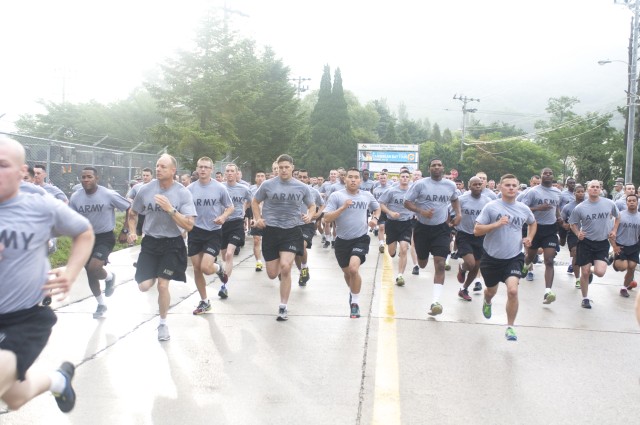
<point>59,258</point>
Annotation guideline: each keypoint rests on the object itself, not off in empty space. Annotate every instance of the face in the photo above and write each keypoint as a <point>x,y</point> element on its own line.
<point>365,175</point>
<point>579,192</point>
<point>219,177</point>
<point>274,169</point>
<point>352,180</point>
<point>382,178</point>
<point>417,175</point>
<point>147,176</point>
<point>39,175</point>
<point>333,175</point>
<point>165,169</point>
<point>204,169</point>
<point>89,180</point>
<point>11,172</point>
<point>535,181</point>
<point>230,173</point>
<point>629,190</point>
<point>405,178</point>
<point>394,179</point>
<point>260,177</point>
<point>185,179</point>
<point>491,184</point>
<point>632,203</point>
<point>320,181</point>
<point>285,170</point>
<point>509,188</point>
<point>546,177</point>
<point>314,181</point>
<point>475,186</point>
<point>436,169</point>
<point>303,177</point>
<point>483,177</point>
<point>571,185</point>
<point>459,185</point>
<point>342,174</point>
<point>593,189</point>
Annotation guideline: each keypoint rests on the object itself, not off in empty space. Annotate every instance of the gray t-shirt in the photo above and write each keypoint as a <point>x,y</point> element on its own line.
<point>99,207</point>
<point>27,187</point>
<point>239,194</point>
<point>27,221</point>
<point>543,195</point>
<point>157,222</point>
<point>595,219</point>
<point>379,189</point>
<point>628,229</point>
<point>506,241</point>
<point>393,199</point>
<point>281,202</point>
<point>337,186</point>
<point>567,210</point>
<point>367,185</point>
<point>566,197</point>
<point>210,200</point>
<point>352,223</point>
<point>470,208</point>
<point>317,199</point>
<point>489,193</point>
<point>325,187</point>
<point>621,203</point>
<point>437,194</point>
<point>55,192</point>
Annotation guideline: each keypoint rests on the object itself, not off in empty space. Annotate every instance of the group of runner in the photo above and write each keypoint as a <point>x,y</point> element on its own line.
<point>499,233</point>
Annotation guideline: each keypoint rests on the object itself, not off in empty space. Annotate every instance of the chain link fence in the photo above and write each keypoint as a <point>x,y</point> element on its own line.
<point>64,162</point>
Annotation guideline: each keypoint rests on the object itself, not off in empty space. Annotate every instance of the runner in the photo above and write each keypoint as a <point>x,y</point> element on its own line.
<point>254,231</point>
<point>572,239</point>
<point>624,241</point>
<point>308,230</point>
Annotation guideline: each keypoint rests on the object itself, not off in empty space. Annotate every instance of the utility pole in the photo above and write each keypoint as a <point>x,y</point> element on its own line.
<point>300,87</point>
<point>465,110</point>
<point>633,91</point>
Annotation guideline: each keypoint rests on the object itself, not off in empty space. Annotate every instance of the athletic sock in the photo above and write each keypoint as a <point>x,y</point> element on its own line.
<point>355,298</point>
<point>100,299</point>
<point>283,306</point>
<point>437,291</point>
<point>58,382</point>
<point>547,290</point>
<point>303,265</point>
<point>163,321</point>
<point>109,275</point>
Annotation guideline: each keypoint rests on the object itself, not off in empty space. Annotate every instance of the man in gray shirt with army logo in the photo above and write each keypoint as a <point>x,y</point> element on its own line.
<point>592,222</point>
<point>308,230</point>
<point>348,209</point>
<point>501,222</point>
<point>470,248</point>
<point>26,222</point>
<point>168,208</point>
<point>430,198</point>
<point>280,218</point>
<point>98,205</point>
<point>213,206</point>
<point>625,243</point>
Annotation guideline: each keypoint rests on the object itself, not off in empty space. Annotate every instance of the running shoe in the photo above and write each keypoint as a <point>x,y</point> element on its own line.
<point>416,270</point>
<point>163,333</point>
<point>110,285</point>
<point>221,273</point>
<point>477,287</point>
<point>326,244</point>
<point>624,292</point>
<point>632,284</point>
<point>510,334</point>
<point>375,231</point>
<point>447,266</point>
<point>324,238</point>
<point>355,311</point>
<point>549,297</point>
<point>67,398</point>
<point>436,309</point>
<point>461,274</point>
<point>524,271</point>
<point>577,283</point>
<point>464,294</point>
<point>381,249</point>
<point>283,314</point>
<point>454,255</point>
<point>100,311</point>
<point>486,309</point>
<point>237,251</point>
<point>304,276</point>
<point>46,300</point>
<point>586,303</point>
<point>202,308</point>
<point>259,266</point>
<point>609,259</point>
<point>570,269</point>
<point>223,293</point>
<point>400,280</point>
<point>529,276</point>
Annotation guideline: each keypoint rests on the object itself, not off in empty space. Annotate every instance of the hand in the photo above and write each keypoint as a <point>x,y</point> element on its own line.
<point>163,202</point>
<point>427,213</point>
<point>260,224</point>
<point>122,237</point>
<point>306,218</point>
<point>59,284</point>
<point>221,219</point>
<point>581,235</point>
<point>132,238</point>
<point>504,220</point>
<point>617,250</point>
<point>526,242</point>
<point>393,214</point>
<point>347,203</point>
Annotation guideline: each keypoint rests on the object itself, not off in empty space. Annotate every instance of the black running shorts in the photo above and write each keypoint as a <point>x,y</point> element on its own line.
<point>495,270</point>
<point>276,240</point>
<point>434,240</point>
<point>308,232</point>
<point>233,233</point>
<point>469,244</point>
<point>398,231</point>
<point>347,248</point>
<point>589,251</point>
<point>25,333</point>
<point>206,241</point>
<point>629,253</point>
<point>165,258</point>
<point>546,237</point>
<point>103,246</point>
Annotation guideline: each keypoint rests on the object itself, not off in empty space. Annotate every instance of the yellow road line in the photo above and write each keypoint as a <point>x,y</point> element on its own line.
<point>386,402</point>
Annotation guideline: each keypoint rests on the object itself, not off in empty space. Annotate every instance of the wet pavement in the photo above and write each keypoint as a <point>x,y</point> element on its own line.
<point>394,365</point>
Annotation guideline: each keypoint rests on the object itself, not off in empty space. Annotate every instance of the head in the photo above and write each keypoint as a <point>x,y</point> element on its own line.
<point>617,186</point>
<point>476,185</point>
<point>39,174</point>
<point>333,175</point>
<point>629,189</point>
<point>509,185</point>
<point>274,169</point>
<point>417,175</point>
<point>295,174</point>
<point>342,174</point>
<point>219,176</point>
<point>320,180</point>
<point>405,178</point>
<point>89,179</point>
<point>632,202</point>
<point>12,167</point>
<point>579,192</point>
<point>204,168</point>
<point>382,178</point>
<point>593,189</point>
<point>352,180</point>
<point>365,175</point>
<point>459,184</point>
<point>285,167</point>
<point>194,176</point>
<point>436,169</point>
<point>239,175</point>
<point>230,173</point>
<point>166,167</point>
<point>394,179</point>
<point>534,180</point>
<point>185,179</point>
<point>303,176</point>
<point>147,175</point>
<point>28,176</point>
<point>546,177</point>
<point>571,184</point>
<point>313,181</point>
<point>260,177</point>
<point>482,176</point>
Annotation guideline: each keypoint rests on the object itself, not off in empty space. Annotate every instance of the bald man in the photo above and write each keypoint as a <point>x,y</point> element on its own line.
<point>26,223</point>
